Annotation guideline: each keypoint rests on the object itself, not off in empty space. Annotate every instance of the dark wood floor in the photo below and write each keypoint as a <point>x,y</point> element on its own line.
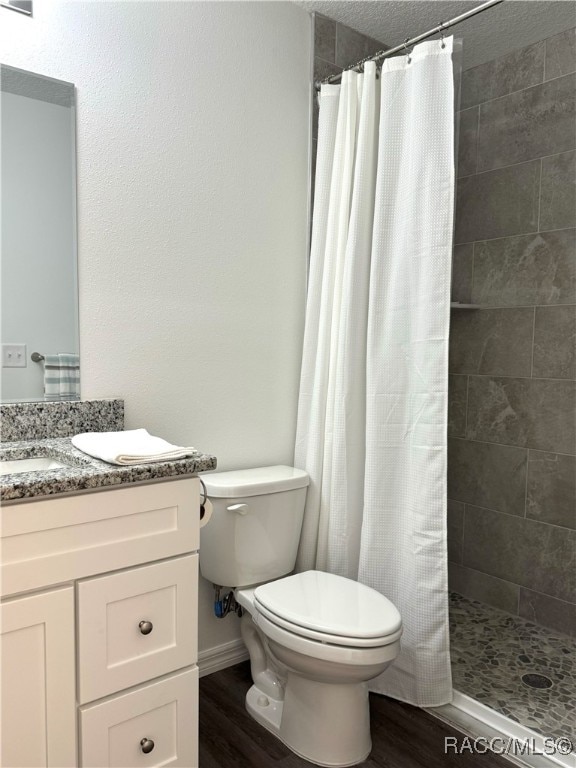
<point>402,736</point>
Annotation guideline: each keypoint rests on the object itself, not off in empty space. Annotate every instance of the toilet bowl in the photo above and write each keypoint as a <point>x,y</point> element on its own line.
<point>315,639</point>
<point>326,636</point>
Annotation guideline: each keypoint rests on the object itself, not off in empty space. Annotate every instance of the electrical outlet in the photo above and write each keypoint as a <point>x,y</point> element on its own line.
<point>13,355</point>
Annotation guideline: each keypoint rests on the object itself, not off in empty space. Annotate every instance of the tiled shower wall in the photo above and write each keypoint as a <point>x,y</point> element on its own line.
<point>512,421</point>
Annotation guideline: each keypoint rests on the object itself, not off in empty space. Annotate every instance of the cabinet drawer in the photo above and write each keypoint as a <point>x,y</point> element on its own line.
<point>162,715</point>
<point>135,625</point>
<point>64,538</point>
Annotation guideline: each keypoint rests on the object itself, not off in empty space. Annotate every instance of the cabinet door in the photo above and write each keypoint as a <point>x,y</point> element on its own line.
<point>38,721</point>
<point>155,725</point>
<point>136,624</point>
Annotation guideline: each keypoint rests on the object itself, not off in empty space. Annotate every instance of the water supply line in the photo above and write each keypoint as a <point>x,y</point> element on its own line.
<point>226,604</point>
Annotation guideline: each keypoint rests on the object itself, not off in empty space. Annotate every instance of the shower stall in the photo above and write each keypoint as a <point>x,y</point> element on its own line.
<point>512,392</point>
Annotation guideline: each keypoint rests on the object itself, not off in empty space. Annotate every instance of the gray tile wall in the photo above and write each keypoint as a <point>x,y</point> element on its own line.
<point>512,409</point>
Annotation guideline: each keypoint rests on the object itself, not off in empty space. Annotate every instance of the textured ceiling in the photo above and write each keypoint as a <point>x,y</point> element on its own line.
<point>503,28</point>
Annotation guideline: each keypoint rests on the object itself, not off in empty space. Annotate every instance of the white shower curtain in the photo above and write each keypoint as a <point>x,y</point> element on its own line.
<point>373,395</point>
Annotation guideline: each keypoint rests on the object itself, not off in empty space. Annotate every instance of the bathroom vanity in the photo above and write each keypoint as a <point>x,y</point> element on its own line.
<point>99,578</point>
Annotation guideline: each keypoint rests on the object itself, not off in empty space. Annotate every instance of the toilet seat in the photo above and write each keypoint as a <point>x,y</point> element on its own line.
<point>329,609</point>
<point>329,651</point>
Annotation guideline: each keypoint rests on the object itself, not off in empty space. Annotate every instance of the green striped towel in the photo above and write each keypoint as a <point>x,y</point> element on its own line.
<point>62,375</point>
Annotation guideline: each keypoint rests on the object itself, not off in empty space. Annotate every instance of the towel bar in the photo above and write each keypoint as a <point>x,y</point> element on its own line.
<point>36,357</point>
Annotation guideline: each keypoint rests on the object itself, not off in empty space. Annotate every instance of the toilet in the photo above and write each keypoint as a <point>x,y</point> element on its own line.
<point>315,639</point>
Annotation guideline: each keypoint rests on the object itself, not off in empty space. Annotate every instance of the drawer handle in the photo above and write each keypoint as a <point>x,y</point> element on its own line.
<point>146,745</point>
<point>146,627</point>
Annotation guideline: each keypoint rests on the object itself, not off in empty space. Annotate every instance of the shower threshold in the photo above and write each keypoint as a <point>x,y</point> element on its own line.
<point>481,722</point>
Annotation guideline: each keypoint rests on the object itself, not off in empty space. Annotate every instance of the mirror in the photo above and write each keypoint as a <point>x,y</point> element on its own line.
<point>22,6</point>
<point>39,290</point>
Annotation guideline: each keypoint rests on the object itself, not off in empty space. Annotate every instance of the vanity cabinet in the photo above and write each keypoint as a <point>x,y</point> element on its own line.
<point>99,628</point>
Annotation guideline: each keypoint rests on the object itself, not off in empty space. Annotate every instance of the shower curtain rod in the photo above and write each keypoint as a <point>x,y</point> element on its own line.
<point>409,42</point>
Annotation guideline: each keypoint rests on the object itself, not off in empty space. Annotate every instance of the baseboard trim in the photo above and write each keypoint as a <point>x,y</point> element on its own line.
<point>221,656</point>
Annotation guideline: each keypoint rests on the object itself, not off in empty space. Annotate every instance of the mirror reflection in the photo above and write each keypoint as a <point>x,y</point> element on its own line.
<point>39,330</point>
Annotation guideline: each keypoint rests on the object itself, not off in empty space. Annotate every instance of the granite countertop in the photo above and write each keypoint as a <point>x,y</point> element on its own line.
<point>84,473</point>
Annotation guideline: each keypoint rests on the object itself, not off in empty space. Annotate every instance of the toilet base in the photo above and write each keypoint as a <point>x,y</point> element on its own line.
<point>326,724</point>
<point>265,710</point>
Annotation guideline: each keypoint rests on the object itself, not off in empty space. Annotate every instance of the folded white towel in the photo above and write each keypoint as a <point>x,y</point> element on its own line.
<point>134,446</point>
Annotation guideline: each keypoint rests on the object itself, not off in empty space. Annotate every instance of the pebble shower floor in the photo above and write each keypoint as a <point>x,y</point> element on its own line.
<point>492,652</point>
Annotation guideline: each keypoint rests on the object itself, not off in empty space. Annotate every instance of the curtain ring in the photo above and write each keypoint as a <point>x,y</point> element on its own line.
<point>409,59</point>
<point>442,43</point>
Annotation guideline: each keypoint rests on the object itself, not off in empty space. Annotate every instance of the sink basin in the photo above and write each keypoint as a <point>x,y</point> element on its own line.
<point>17,466</point>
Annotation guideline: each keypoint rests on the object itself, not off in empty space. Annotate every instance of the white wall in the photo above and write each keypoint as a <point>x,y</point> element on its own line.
<point>193,142</point>
<point>38,234</point>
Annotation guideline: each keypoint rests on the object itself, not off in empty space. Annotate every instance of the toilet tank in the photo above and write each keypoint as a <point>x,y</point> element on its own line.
<point>253,534</point>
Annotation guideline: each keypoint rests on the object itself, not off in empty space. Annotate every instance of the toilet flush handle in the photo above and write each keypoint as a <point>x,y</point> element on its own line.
<point>241,509</point>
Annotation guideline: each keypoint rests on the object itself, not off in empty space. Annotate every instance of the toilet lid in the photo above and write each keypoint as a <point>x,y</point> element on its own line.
<point>329,604</point>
